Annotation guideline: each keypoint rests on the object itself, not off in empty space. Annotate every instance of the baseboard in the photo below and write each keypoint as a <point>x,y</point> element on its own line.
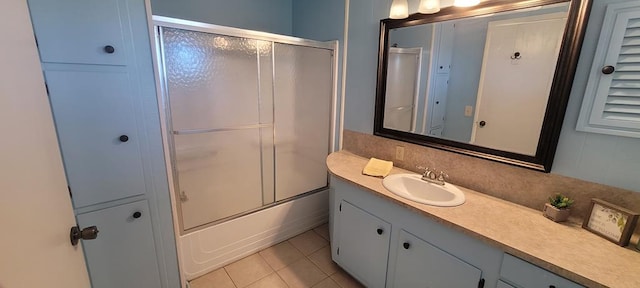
<point>216,246</point>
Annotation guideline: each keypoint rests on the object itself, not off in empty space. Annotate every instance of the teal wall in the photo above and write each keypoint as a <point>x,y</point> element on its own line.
<point>604,159</point>
<point>322,21</point>
<point>274,16</point>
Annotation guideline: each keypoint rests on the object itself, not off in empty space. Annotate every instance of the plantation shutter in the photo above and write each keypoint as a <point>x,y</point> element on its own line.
<point>612,100</point>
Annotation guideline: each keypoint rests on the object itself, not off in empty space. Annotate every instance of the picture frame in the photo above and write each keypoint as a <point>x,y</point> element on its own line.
<point>610,221</point>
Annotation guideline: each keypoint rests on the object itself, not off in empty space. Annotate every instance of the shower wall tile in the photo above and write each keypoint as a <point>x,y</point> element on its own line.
<point>515,184</point>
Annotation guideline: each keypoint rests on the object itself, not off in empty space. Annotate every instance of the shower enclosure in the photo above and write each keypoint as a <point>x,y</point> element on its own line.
<point>248,118</point>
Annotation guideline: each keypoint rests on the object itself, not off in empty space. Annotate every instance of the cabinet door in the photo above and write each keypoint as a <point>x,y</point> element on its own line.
<point>92,110</point>
<point>79,31</point>
<point>503,285</point>
<point>124,254</point>
<point>420,264</point>
<point>363,244</point>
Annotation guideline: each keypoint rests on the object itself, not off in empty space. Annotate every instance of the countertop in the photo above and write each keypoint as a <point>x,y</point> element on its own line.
<point>563,248</point>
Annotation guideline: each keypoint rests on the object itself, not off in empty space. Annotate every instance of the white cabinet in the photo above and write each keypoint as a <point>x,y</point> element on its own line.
<point>420,264</point>
<point>94,112</point>
<point>410,251</point>
<point>97,62</point>
<point>611,103</point>
<point>83,33</point>
<point>524,274</point>
<point>362,245</point>
<point>124,253</point>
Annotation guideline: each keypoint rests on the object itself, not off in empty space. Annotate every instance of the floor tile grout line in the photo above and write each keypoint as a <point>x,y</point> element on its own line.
<point>229,275</point>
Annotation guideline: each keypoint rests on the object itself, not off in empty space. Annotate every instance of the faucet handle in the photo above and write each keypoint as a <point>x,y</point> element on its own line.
<point>442,176</point>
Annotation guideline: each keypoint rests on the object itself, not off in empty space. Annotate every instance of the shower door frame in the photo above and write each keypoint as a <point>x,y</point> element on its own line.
<point>160,22</point>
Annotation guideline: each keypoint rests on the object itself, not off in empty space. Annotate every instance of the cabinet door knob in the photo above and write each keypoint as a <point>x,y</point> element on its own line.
<point>109,49</point>
<point>124,138</point>
<point>482,123</point>
<point>406,245</point>
<point>379,231</point>
<point>552,286</point>
<point>137,214</point>
<point>608,69</point>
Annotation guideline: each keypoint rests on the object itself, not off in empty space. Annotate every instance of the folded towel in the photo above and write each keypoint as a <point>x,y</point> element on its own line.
<point>377,168</point>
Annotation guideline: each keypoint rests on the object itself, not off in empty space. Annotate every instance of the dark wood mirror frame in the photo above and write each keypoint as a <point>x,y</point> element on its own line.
<point>558,97</point>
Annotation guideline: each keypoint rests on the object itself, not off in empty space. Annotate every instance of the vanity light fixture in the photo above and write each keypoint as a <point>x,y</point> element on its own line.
<point>399,9</point>
<point>429,6</point>
<point>465,3</point>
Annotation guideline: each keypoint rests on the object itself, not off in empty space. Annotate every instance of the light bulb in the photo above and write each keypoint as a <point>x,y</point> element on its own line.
<point>399,9</point>
<point>429,6</point>
<point>465,3</point>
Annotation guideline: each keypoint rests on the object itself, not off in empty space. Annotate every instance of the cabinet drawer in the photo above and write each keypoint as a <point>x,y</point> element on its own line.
<point>79,31</point>
<point>525,274</point>
<point>124,254</point>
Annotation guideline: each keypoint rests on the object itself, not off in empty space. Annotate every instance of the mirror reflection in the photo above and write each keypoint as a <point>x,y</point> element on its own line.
<point>482,80</point>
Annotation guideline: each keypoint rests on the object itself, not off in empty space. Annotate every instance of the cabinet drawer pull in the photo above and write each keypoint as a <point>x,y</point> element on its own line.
<point>109,49</point>
<point>406,245</point>
<point>137,214</point>
<point>379,231</point>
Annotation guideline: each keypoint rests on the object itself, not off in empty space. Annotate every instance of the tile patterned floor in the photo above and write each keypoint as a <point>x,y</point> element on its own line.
<point>302,261</point>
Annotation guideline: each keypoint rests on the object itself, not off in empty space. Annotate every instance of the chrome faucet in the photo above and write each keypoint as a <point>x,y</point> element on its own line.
<point>431,177</point>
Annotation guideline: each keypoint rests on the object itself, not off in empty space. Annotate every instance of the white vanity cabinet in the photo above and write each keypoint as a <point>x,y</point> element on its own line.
<point>385,245</point>
<point>363,245</point>
<point>522,274</point>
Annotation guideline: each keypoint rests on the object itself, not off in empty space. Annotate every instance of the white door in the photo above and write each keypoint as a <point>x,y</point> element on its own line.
<point>35,208</point>
<point>517,70</point>
<point>403,82</point>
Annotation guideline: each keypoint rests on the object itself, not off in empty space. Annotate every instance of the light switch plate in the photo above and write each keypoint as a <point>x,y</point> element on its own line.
<point>468,111</point>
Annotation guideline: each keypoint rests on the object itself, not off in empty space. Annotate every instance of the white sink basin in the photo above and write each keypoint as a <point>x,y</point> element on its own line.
<point>412,187</point>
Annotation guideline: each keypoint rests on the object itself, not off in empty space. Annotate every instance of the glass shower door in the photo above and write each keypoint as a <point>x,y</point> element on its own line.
<point>248,119</point>
<point>221,123</point>
<point>303,93</point>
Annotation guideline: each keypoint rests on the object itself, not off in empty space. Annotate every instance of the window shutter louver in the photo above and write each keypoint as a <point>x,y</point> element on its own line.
<point>612,101</point>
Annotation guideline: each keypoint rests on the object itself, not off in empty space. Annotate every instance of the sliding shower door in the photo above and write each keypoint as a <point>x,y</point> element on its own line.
<point>248,121</point>
<point>303,88</point>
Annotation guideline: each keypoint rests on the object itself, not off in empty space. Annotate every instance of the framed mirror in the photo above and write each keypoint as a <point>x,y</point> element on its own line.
<point>491,81</point>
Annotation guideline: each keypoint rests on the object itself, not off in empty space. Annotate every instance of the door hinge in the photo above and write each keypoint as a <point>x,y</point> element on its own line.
<point>70,194</point>
<point>36,39</point>
<point>338,251</point>
<point>340,208</point>
<point>46,88</point>
<point>481,283</point>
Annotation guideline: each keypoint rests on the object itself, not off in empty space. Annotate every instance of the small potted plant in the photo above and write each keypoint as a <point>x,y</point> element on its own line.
<point>558,208</point>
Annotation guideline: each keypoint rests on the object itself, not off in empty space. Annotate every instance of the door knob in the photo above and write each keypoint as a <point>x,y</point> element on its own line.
<point>88,233</point>
<point>406,245</point>
<point>482,123</point>
<point>137,214</point>
<point>608,69</point>
<point>109,49</point>
<point>379,231</point>
<point>124,138</point>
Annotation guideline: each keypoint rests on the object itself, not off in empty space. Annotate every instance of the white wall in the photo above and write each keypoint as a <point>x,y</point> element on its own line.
<point>35,208</point>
